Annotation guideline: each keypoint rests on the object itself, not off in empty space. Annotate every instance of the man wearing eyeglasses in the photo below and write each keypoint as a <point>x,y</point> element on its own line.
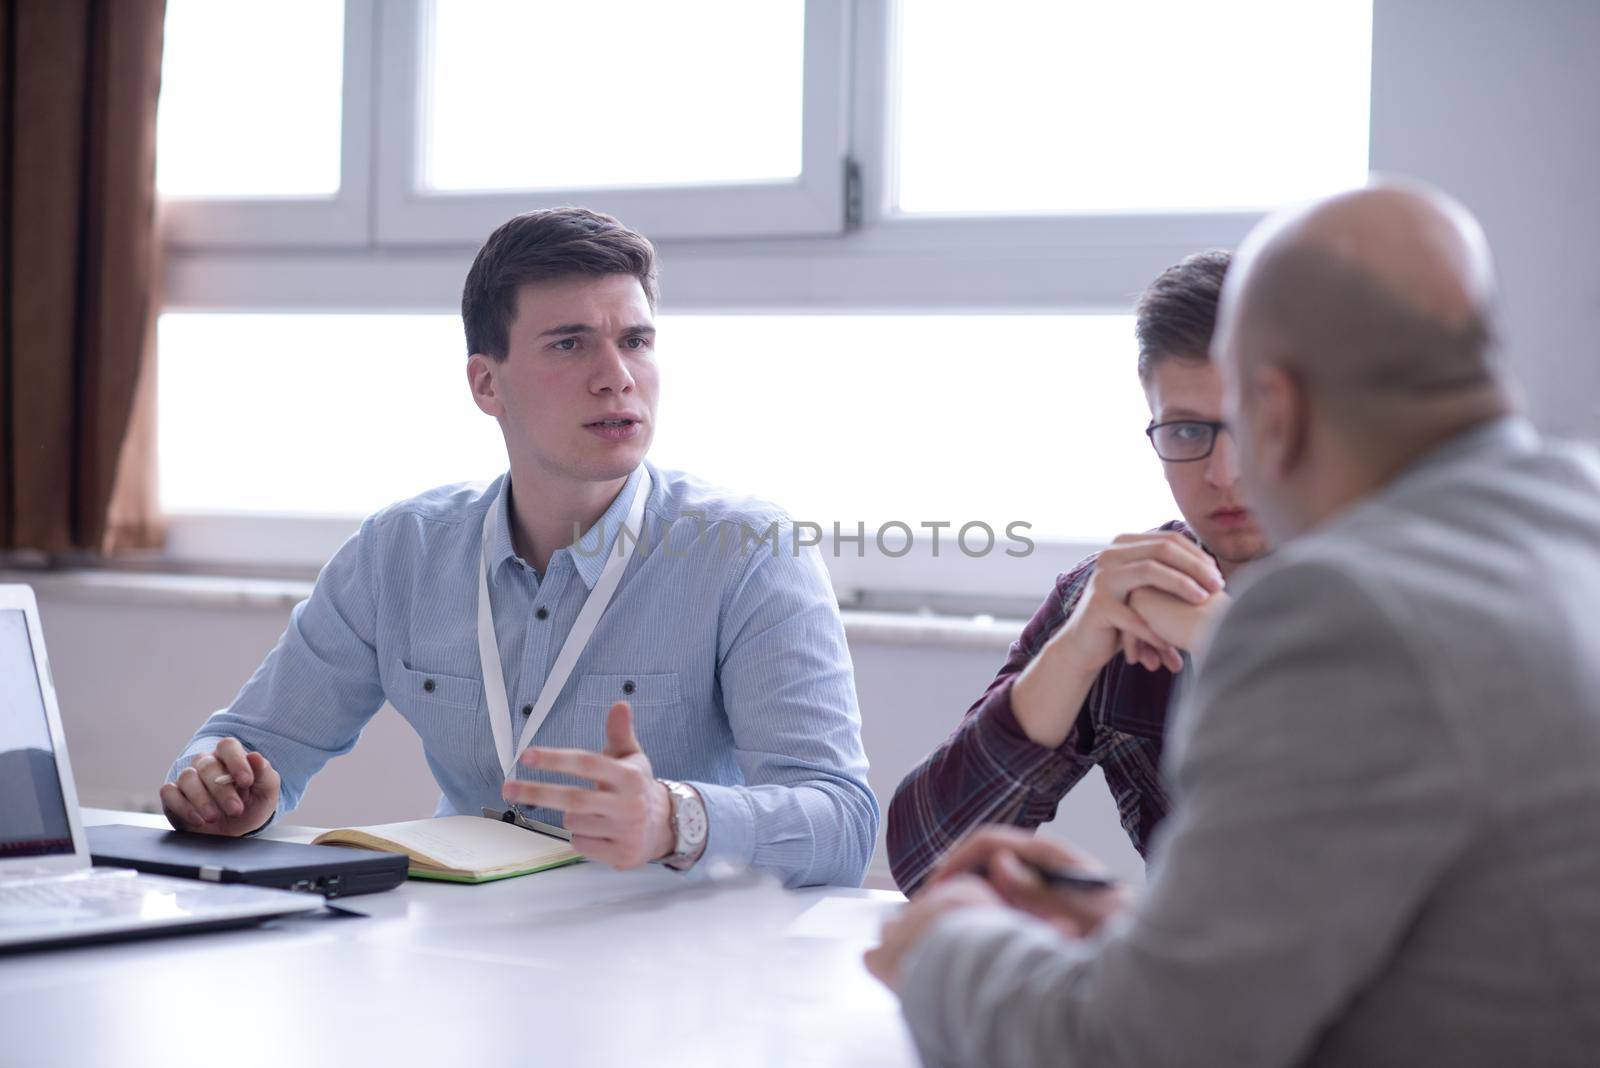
<point>1088,680</point>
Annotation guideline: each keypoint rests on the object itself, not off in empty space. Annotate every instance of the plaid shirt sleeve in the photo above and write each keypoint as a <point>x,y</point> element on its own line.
<point>989,771</point>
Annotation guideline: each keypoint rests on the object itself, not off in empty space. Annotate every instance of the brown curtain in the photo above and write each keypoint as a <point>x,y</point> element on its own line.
<point>79,254</point>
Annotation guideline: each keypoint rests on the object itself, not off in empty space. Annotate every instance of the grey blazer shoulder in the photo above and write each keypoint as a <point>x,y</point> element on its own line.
<point>1485,560</point>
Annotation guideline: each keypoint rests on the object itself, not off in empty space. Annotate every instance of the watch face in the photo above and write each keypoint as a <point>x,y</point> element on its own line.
<point>691,818</point>
<point>694,828</point>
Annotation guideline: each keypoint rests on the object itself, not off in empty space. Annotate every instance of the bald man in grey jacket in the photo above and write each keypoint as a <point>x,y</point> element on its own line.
<point>1385,845</point>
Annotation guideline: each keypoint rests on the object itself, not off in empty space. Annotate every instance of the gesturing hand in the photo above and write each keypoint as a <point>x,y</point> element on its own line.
<point>625,820</point>
<point>226,791</point>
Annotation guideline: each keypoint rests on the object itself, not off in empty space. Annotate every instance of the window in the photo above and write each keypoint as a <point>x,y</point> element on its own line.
<point>899,240</point>
<point>1162,105</point>
<point>265,122</point>
<point>1047,408</point>
<point>714,118</point>
<point>526,95</point>
<point>315,414</point>
<point>230,124</point>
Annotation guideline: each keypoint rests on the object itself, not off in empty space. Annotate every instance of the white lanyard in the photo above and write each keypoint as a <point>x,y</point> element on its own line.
<point>494,680</point>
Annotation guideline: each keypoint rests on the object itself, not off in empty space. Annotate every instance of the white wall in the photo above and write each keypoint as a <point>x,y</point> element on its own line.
<point>1498,102</point>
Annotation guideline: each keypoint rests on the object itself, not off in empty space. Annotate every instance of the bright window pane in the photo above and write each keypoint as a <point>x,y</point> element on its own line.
<point>542,94</point>
<point>250,98</point>
<point>847,418</point>
<point>317,414</point>
<point>1137,105</point>
<point>917,418</point>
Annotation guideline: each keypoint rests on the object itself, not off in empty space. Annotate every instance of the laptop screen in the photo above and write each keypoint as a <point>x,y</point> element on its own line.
<point>33,812</point>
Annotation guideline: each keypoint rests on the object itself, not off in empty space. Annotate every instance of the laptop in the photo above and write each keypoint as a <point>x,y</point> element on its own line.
<point>49,892</point>
<point>332,871</point>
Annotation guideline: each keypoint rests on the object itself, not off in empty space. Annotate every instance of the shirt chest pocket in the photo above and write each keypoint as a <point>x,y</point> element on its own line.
<point>447,713</point>
<point>656,700</point>
<point>435,704</point>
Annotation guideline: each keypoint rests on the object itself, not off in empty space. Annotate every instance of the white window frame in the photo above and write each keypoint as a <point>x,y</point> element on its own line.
<point>266,222</point>
<point>719,253</point>
<point>1058,261</point>
<point>813,203</point>
<point>717,257</point>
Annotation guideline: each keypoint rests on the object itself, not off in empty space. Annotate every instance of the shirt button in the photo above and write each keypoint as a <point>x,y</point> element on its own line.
<point>628,687</point>
<point>427,685</point>
<point>542,613</point>
<point>527,710</point>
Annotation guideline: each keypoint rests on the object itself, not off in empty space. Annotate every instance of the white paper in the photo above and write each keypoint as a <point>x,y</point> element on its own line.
<point>845,919</point>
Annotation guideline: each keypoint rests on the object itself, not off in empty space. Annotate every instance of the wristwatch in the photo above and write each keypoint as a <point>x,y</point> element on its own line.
<point>689,825</point>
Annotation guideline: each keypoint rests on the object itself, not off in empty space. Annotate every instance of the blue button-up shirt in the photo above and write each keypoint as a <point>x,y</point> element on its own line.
<point>723,637</point>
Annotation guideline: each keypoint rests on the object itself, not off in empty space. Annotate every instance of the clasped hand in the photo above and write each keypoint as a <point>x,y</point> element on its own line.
<point>1150,595</point>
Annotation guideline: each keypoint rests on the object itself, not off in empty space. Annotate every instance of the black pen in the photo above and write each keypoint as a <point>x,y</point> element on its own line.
<point>1069,878</point>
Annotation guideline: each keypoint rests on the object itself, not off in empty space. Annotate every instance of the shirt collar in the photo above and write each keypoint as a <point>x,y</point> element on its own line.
<point>500,545</point>
<point>588,556</point>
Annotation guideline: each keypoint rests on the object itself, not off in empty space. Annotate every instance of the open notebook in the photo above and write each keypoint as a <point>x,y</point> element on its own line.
<point>462,849</point>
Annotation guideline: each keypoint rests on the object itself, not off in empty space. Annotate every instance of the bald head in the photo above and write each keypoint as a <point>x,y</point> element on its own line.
<point>1410,241</point>
<point>1379,301</point>
<point>1354,336</point>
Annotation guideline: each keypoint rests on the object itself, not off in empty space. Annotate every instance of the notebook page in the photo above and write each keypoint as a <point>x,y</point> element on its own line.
<point>472,843</point>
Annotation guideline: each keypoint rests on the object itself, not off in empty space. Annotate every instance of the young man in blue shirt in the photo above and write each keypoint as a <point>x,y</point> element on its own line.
<point>709,720</point>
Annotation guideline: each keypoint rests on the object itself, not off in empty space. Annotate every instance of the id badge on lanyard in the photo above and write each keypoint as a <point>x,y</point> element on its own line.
<point>494,680</point>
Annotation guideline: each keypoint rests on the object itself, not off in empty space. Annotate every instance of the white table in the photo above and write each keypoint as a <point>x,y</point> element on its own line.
<point>577,966</point>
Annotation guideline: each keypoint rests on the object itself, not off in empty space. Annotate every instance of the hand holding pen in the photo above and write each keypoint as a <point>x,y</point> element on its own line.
<point>1047,879</point>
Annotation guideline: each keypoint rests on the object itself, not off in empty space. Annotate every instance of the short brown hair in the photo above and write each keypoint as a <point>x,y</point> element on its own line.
<point>540,245</point>
<point>1177,314</point>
